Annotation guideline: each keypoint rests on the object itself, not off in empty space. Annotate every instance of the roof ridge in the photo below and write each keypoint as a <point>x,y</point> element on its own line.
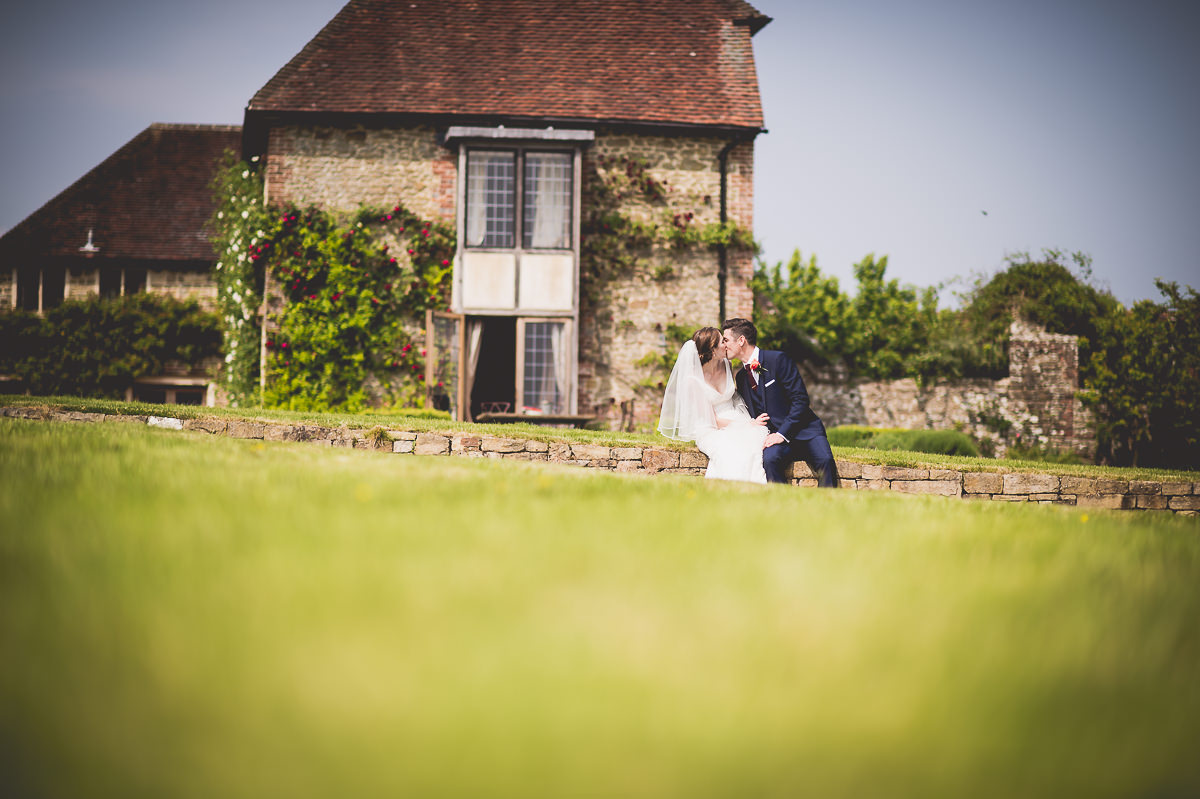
<point>193,126</point>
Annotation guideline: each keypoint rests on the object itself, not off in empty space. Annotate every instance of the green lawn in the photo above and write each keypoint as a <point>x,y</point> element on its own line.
<point>183,615</point>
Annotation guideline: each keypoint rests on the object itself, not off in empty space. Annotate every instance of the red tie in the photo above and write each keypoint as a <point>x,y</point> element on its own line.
<point>750,377</point>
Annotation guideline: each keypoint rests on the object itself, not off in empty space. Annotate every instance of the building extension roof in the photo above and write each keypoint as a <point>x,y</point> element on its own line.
<point>149,200</point>
<point>662,62</point>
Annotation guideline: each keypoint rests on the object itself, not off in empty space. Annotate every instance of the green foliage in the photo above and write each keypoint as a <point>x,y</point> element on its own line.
<point>803,313</point>
<point>934,442</point>
<point>355,291</point>
<point>882,332</point>
<point>1144,381</point>
<point>99,346</point>
<point>891,323</point>
<point>239,223</point>
<point>1044,292</point>
<point>659,363</point>
<point>348,300</point>
<point>1041,454</point>
<point>630,213</point>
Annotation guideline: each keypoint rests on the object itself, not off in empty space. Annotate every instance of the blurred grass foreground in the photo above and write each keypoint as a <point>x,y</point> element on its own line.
<point>189,616</point>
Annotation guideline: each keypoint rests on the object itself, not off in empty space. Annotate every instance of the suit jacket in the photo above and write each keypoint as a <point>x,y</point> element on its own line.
<point>782,395</point>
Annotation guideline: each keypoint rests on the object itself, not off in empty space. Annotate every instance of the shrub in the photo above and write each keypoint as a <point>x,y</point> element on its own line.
<point>933,442</point>
<point>98,347</point>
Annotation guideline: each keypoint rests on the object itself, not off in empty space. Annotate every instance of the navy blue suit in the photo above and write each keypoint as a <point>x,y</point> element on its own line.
<point>782,395</point>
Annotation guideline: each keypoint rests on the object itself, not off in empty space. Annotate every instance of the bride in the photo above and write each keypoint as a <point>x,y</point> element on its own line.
<point>701,404</point>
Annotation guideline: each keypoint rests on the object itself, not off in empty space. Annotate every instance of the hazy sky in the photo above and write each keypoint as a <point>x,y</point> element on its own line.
<point>893,124</point>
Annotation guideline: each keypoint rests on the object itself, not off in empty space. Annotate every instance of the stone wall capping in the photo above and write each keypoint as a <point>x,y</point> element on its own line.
<point>904,473</point>
<point>1178,497</point>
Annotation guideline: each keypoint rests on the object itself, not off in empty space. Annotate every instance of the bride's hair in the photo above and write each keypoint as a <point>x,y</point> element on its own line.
<point>706,340</point>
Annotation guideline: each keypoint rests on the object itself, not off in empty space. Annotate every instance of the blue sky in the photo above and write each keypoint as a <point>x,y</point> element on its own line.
<point>893,125</point>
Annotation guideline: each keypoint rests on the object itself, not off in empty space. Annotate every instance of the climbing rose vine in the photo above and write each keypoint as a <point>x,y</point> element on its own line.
<point>347,295</point>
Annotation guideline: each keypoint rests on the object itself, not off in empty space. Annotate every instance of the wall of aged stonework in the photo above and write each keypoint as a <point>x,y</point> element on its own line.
<point>340,169</point>
<point>621,321</point>
<point>81,283</point>
<point>1181,497</point>
<point>199,286</point>
<point>626,318</point>
<point>1036,403</point>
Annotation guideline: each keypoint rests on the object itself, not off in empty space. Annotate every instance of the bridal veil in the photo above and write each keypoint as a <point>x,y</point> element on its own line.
<point>687,412</point>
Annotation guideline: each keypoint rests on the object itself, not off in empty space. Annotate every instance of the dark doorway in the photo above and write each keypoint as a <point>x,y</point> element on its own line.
<point>495,373</point>
<point>110,283</point>
<point>54,284</point>
<point>28,282</point>
<point>135,280</point>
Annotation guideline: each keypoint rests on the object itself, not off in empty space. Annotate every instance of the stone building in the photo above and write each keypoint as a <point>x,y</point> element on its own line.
<point>573,146</point>
<point>134,223</point>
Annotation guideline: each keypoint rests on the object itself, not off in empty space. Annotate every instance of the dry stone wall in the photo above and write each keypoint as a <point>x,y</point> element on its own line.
<point>1179,497</point>
<point>1035,405</point>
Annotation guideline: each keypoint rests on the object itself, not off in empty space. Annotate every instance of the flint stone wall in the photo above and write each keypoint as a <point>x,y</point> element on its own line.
<point>624,320</point>
<point>1179,497</point>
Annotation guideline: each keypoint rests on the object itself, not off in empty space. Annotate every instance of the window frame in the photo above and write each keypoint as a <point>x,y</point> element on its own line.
<point>572,368</point>
<point>519,153</point>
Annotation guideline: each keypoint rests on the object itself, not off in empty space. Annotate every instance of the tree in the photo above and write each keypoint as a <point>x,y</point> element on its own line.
<point>804,314</point>
<point>890,323</point>
<point>879,333</point>
<point>1144,382</point>
<point>1044,292</point>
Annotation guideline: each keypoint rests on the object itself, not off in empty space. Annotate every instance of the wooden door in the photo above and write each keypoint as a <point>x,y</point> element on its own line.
<point>444,338</point>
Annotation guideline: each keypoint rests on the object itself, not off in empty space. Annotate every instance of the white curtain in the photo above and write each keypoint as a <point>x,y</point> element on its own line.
<point>560,347</point>
<point>477,164</point>
<point>547,179</point>
<point>474,340</point>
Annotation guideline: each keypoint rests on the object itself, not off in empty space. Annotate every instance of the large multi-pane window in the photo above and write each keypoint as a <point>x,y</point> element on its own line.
<point>547,366</point>
<point>492,204</point>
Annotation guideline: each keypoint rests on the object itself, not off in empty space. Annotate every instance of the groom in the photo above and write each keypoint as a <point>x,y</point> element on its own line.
<point>771,384</point>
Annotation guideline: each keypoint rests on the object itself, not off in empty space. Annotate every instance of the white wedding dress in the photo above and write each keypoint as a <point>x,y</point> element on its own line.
<point>691,408</point>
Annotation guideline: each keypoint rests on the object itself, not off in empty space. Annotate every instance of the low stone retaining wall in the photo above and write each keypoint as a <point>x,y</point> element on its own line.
<point>1178,497</point>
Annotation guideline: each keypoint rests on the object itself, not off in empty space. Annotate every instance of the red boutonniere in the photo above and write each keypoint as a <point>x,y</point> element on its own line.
<point>755,366</point>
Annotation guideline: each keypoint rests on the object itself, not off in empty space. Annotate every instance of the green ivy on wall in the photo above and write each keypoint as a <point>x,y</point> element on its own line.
<point>616,244</point>
<point>355,290</point>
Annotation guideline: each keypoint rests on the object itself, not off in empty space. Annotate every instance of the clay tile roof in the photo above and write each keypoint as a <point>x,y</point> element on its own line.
<point>645,61</point>
<point>150,199</point>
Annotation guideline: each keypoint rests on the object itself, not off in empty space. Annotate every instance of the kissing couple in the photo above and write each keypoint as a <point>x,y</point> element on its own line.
<point>754,427</point>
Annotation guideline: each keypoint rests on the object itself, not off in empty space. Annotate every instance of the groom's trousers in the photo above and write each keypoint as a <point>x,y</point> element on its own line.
<point>778,459</point>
